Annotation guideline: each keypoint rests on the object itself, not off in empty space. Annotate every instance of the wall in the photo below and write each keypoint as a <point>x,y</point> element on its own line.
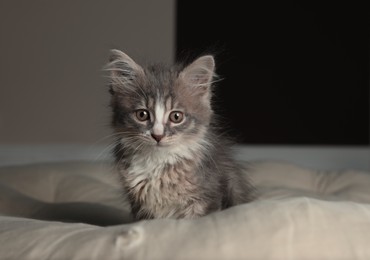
<point>52,88</point>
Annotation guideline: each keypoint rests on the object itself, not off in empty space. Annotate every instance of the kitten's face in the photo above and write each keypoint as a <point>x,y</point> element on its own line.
<point>160,107</point>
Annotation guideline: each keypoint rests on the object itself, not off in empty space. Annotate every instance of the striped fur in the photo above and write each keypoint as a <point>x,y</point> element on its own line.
<point>171,169</point>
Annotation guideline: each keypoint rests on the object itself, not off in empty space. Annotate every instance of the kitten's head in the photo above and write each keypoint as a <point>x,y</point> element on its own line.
<point>159,107</point>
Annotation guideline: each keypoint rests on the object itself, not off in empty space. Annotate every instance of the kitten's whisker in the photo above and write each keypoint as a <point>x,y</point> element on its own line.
<point>100,155</point>
<point>107,137</point>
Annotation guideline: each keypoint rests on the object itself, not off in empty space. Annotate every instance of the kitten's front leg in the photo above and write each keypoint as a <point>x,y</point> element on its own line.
<point>138,213</point>
<point>195,209</point>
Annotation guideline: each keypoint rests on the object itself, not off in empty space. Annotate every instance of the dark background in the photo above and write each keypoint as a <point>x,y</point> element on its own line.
<point>292,74</point>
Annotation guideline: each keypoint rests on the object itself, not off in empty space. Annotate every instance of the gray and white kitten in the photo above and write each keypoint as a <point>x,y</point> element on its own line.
<point>172,162</point>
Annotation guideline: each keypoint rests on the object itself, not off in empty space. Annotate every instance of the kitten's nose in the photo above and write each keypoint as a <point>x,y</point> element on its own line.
<point>158,138</point>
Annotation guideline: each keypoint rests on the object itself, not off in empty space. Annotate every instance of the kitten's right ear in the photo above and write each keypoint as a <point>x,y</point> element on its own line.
<point>122,71</point>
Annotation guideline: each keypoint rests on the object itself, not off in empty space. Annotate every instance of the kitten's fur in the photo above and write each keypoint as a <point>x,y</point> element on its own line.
<point>171,169</point>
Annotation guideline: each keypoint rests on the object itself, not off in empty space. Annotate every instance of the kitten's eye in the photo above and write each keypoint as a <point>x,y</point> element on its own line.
<point>142,115</point>
<point>176,117</point>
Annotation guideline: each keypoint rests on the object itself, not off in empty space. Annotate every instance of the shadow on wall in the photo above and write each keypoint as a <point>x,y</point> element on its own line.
<point>292,74</point>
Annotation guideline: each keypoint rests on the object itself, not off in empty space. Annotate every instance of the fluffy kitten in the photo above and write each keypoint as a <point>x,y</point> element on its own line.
<point>171,160</point>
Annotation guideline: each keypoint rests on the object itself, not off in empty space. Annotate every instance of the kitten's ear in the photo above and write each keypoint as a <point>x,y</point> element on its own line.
<point>199,75</point>
<point>200,72</point>
<point>122,71</point>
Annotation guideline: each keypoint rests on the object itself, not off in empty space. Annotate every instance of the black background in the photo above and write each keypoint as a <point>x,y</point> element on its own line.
<point>291,74</point>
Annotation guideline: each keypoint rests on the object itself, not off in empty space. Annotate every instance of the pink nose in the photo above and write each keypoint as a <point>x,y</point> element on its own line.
<point>158,138</point>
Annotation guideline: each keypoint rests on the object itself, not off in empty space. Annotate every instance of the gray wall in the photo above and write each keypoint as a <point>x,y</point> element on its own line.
<point>52,88</point>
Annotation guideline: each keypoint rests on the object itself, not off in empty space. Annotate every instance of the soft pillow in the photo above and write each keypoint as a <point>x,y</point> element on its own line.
<point>300,214</point>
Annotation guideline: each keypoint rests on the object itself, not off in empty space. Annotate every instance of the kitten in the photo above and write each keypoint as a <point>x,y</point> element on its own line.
<point>172,162</point>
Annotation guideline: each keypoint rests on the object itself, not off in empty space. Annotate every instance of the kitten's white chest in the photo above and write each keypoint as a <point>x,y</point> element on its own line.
<point>145,176</point>
<point>148,166</point>
<point>161,184</point>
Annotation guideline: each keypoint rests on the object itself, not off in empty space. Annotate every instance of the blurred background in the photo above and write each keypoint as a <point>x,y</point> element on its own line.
<point>52,87</point>
<point>292,75</point>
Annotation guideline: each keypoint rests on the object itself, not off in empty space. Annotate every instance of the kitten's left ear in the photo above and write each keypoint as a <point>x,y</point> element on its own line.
<point>200,72</point>
<point>198,77</point>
